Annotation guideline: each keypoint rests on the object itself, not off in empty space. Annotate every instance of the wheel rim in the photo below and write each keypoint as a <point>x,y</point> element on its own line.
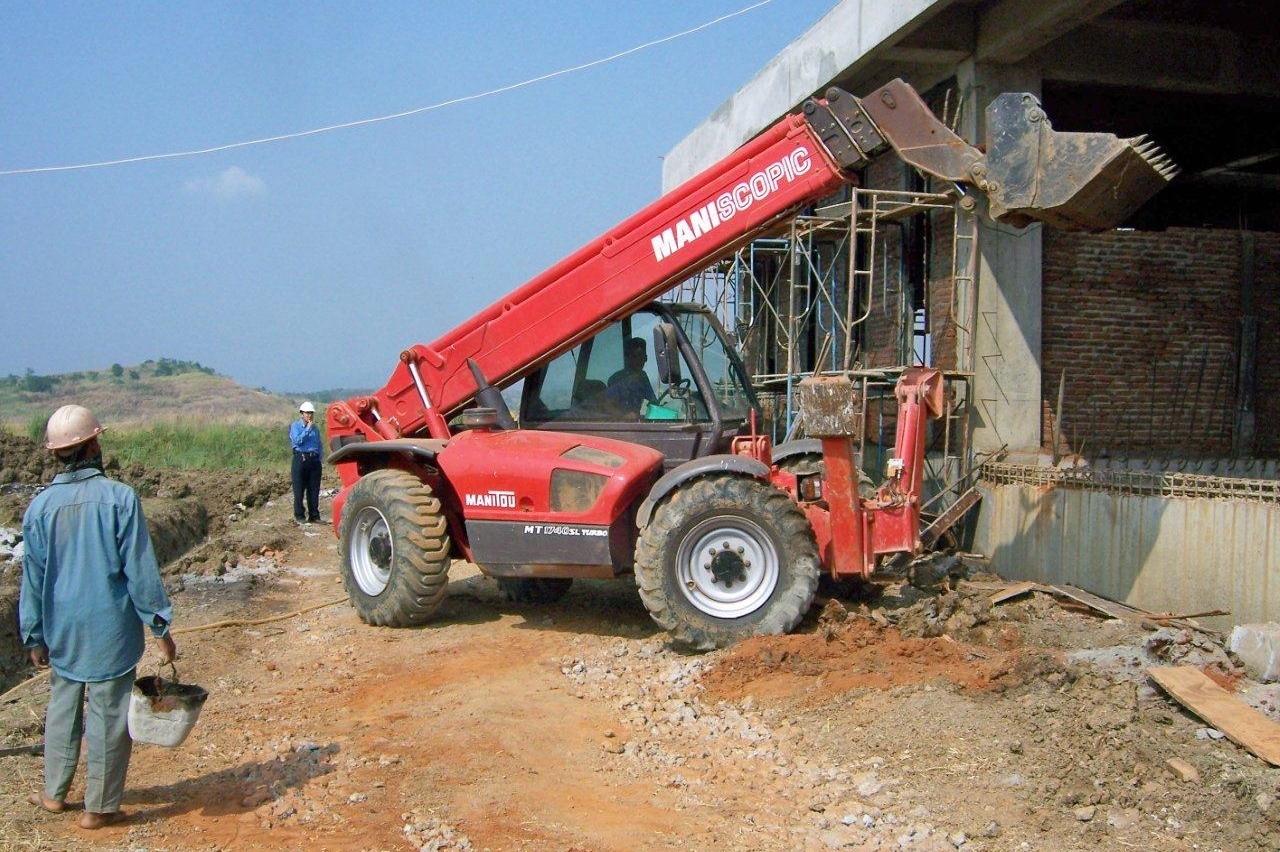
<point>727,567</point>
<point>371,551</point>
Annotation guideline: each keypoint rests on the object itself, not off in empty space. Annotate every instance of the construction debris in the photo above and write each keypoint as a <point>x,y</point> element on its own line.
<point>1184,771</point>
<point>1114,609</point>
<point>1258,647</point>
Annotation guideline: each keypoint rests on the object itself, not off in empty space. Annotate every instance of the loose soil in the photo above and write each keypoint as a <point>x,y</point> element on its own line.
<point>917,719</point>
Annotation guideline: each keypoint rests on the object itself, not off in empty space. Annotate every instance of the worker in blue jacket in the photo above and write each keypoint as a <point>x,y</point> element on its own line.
<point>304,437</point>
<point>90,587</point>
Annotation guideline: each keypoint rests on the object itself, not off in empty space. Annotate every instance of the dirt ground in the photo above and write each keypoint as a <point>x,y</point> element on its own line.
<point>915,720</point>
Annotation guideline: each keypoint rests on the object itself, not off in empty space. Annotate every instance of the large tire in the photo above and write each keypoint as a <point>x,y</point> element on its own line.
<point>394,545</point>
<point>534,590</point>
<point>724,558</point>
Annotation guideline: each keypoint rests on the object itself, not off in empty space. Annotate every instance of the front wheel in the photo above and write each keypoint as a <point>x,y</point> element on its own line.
<point>394,545</point>
<point>724,558</point>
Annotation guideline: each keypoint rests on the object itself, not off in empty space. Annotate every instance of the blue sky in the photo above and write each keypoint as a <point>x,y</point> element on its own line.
<point>310,263</point>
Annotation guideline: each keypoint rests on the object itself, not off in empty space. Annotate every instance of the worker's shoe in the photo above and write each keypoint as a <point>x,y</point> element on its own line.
<point>93,821</point>
<point>317,520</point>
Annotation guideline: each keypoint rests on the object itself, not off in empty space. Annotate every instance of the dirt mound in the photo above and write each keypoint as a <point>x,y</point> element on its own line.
<point>186,507</point>
<point>24,465</point>
<point>954,639</point>
<point>23,460</point>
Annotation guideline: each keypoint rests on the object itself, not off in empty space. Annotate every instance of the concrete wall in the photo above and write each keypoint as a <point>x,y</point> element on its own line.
<point>1158,553</point>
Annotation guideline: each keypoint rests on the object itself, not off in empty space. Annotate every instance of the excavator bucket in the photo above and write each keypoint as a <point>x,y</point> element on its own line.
<point>1029,172</point>
<point>1075,181</point>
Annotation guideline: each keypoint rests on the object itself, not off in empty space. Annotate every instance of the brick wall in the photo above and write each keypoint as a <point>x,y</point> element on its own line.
<point>1145,328</point>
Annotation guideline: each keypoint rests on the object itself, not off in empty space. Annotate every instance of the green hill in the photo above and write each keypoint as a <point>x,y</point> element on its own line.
<point>154,391</point>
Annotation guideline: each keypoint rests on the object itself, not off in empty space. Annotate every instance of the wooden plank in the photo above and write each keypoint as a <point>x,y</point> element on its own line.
<point>1011,592</point>
<point>950,517</point>
<point>1102,605</point>
<point>1243,725</point>
<point>1119,610</point>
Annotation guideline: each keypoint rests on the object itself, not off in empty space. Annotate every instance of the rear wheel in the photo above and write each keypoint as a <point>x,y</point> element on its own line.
<point>534,590</point>
<point>394,546</point>
<point>724,558</point>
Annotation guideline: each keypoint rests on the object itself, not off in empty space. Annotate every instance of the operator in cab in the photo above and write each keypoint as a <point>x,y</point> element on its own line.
<point>629,388</point>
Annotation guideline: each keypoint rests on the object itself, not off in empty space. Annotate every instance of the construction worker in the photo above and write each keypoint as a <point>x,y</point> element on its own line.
<point>304,437</point>
<point>90,584</point>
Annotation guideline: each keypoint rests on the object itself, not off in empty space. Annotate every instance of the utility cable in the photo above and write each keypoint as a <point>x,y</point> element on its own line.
<point>404,114</point>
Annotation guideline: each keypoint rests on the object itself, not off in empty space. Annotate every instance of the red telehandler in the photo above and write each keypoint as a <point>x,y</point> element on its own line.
<point>606,476</point>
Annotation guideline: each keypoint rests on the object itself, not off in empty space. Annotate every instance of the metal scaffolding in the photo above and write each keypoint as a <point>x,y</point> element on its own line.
<point>797,303</point>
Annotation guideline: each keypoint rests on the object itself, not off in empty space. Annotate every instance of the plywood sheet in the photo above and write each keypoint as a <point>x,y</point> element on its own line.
<point>1243,725</point>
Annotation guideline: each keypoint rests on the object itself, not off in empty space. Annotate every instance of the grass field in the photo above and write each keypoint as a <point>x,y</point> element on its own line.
<point>184,445</point>
<point>202,446</point>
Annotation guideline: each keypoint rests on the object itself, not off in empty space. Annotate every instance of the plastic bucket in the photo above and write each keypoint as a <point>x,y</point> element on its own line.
<point>162,712</point>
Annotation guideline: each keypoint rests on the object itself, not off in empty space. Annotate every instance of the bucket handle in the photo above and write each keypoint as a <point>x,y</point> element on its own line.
<point>161,683</point>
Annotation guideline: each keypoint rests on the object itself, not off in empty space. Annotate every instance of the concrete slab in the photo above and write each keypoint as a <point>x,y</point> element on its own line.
<point>1258,647</point>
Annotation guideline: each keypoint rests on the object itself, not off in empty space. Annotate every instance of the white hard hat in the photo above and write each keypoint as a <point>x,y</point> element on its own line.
<point>307,407</point>
<point>70,426</point>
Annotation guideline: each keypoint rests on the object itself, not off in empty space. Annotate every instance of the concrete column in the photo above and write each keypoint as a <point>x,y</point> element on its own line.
<point>1006,385</point>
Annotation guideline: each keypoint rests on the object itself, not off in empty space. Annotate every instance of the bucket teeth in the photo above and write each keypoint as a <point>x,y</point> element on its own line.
<point>1152,153</point>
<point>1155,157</point>
<point>1143,145</point>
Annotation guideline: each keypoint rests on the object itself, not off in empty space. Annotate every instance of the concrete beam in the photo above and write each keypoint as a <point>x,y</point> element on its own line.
<point>1169,57</point>
<point>1011,30</point>
<point>925,55</point>
<point>852,33</point>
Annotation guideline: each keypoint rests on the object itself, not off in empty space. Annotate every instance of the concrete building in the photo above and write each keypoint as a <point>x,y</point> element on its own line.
<point>1152,350</point>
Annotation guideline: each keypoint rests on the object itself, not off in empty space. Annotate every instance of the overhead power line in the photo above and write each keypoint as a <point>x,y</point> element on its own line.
<point>404,114</point>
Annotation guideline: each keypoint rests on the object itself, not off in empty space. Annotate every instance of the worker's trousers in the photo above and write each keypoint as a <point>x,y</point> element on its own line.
<point>98,712</point>
<point>306,481</point>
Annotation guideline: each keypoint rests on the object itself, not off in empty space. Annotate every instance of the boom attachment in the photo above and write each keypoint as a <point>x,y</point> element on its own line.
<point>1030,172</point>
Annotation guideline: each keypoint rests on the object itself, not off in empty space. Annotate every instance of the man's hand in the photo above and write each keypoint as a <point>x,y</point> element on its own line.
<point>40,657</point>
<point>165,648</point>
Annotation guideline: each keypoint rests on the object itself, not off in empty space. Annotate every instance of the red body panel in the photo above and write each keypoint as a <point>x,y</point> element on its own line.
<point>480,464</point>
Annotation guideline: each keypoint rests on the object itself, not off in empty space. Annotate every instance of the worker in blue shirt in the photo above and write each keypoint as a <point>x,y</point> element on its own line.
<point>90,585</point>
<point>304,437</point>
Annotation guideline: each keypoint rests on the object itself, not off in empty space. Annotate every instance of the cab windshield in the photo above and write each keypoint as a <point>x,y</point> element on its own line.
<point>615,376</point>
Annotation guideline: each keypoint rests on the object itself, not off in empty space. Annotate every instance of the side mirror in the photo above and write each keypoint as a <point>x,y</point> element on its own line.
<point>666,353</point>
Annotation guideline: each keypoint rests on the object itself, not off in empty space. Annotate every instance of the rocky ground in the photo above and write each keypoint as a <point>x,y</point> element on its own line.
<point>912,720</point>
